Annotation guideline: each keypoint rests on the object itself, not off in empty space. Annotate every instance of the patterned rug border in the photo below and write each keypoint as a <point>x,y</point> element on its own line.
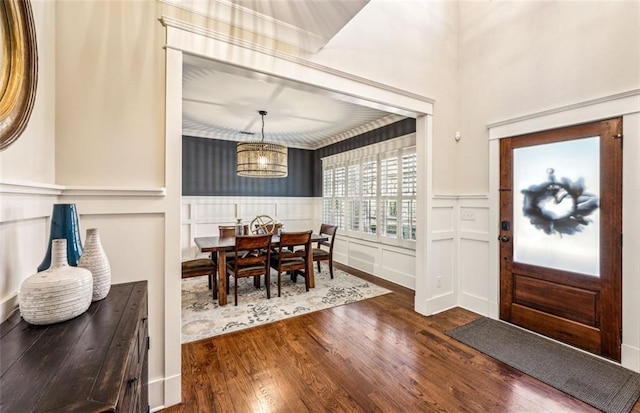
<point>202,317</point>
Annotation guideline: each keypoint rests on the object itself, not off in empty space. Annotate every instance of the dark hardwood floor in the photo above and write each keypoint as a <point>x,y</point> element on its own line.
<point>375,355</point>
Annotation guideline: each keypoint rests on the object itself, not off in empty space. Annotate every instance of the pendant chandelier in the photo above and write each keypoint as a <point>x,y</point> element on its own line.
<point>260,159</point>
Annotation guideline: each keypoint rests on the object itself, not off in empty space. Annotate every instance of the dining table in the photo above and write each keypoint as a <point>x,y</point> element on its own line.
<point>221,245</point>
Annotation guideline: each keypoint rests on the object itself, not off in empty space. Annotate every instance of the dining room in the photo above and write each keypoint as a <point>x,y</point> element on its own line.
<point>321,132</point>
<point>327,141</point>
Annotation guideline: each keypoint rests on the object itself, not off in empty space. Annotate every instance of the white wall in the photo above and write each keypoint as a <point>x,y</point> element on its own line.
<point>109,94</point>
<point>518,58</point>
<point>411,45</point>
<point>27,175</point>
<point>32,157</point>
<point>99,121</point>
<point>538,64</point>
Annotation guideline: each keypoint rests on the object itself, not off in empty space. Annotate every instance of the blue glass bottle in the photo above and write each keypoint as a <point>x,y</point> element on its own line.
<point>64,224</point>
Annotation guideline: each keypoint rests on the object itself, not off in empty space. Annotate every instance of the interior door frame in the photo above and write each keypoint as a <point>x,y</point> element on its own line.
<point>182,38</point>
<point>626,105</point>
<point>598,332</point>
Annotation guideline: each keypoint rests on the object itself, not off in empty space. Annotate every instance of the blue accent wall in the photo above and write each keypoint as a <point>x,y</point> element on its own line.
<point>209,166</point>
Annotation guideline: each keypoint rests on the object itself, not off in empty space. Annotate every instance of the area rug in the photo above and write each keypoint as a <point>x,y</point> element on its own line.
<point>604,385</point>
<point>203,318</point>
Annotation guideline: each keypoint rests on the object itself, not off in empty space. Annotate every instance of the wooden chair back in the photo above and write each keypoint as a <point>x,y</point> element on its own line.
<point>251,258</point>
<point>288,259</point>
<point>324,254</point>
<point>251,250</point>
<point>329,231</point>
<point>290,240</point>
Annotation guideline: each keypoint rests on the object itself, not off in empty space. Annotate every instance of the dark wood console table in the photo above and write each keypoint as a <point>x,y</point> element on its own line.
<point>96,362</point>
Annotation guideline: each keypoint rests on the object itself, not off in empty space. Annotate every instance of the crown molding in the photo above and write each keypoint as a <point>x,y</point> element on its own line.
<point>618,104</point>
<point>425,102</point>
<point>376,124</point>
<point>242,18</point>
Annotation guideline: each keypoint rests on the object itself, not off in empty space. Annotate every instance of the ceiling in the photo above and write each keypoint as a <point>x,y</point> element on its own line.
<point>222,101</point>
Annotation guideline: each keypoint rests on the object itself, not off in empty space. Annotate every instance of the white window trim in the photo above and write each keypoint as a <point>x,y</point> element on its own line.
<point>372,151</point>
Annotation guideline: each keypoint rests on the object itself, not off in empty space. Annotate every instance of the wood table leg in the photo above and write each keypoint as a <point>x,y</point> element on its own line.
<point>312,278</point>
<point>222,277</point>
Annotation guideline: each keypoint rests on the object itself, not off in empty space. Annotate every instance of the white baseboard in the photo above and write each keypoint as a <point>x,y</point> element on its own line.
<point>474,303</point>
<point>631,357</point>
<point>8,306</point>
<point>443,302</point>
<point>165,392</point>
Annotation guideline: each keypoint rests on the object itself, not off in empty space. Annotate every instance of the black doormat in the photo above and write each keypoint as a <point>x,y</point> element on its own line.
<point>604,385</point>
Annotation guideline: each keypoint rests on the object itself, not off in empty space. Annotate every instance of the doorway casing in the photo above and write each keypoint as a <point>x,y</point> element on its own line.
<point>184,38</point>
<point>627,105</point>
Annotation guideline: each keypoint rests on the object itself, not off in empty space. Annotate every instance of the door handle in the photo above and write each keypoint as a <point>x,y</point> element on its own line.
<point>504,238</point>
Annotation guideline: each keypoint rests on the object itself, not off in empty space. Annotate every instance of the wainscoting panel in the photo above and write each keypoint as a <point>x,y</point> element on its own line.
<point>400,264</point>
<point>388,262</point>
<point>442,274</point>
<point>442,279</point>
<point>252,209</point>
<point>363,256</point>
<point>132,230</point>
<point>443,217</point>
<point>24,245</point>
<point>203,211</point>
<point>209,212</point>
<point>25,209</point>
<point>473,249</point>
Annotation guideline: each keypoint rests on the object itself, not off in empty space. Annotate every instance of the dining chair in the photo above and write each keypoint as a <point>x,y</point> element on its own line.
<point>228,231</point>
<point>251,259</point>
<point>326,254</point>
<point>287,259</point>
<point>202,266</point>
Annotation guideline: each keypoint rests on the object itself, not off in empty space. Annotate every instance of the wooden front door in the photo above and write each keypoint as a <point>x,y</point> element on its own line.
<point>561,234</point>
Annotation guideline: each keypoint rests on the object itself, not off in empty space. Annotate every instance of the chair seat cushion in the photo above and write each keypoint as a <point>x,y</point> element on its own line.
<point>319,252</point>
<point>244,269</point>
<point>198,266</point>
<point>287,263</point>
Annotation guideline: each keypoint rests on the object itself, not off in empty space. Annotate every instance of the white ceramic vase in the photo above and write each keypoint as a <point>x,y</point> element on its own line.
<point>95,260</point>
<point>57,294</point>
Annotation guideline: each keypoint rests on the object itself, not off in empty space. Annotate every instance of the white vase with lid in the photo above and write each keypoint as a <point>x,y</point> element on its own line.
<point>95,260</point>
<point>57,294</point>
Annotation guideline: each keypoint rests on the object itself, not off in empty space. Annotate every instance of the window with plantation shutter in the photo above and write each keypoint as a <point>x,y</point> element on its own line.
<point>369,195</point>
<point>372,191</point>
<point>339,184</point>
<point>409,189</point>
<point>327,196</point>
<point>389,194</point>
<point>353,197</point>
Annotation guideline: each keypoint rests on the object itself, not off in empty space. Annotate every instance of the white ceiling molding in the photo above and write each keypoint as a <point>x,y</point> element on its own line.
<point>306,25</point>
<point>221,102</point>
<point>374,149</point>
<point>221,94</point>
<point>376,124</point>
<point>182,39</point>
<point>582,112</point>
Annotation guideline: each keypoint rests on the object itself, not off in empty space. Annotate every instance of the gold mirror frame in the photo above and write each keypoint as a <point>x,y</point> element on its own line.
<point>18,69</point>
